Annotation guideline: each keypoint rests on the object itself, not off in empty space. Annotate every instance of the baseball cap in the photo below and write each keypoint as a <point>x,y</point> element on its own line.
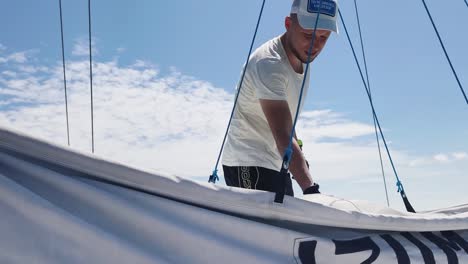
<point>308,10</point>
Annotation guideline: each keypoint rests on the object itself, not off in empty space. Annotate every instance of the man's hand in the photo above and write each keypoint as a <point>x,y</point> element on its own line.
<point>279,119</point>
<point>314,189</point>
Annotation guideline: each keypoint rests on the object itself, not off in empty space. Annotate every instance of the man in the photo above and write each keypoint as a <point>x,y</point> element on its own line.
<point>263,120</point>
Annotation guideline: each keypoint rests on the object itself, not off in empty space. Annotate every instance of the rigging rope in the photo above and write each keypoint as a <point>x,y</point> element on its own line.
<point>399,184</point>
<point>214,177</point>
<point>368,85</point>
<point>91,75</point>
<point>64,74</point>
<point>279,197</point>
<point>445,51</point>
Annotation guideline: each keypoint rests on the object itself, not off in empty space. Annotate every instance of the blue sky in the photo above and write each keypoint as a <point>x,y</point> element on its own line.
<point>166,72</point>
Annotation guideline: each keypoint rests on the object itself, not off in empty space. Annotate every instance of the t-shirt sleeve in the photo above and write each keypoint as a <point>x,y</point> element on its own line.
<point>271,80</point>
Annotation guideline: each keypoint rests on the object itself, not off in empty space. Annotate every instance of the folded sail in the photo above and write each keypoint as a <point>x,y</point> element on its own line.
<point>60,206</point>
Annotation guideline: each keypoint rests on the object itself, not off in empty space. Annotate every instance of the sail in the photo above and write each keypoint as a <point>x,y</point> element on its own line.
<point>61,206</point>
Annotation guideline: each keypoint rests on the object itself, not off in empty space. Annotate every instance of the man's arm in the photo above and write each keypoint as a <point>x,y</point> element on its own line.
<point>280,121</point>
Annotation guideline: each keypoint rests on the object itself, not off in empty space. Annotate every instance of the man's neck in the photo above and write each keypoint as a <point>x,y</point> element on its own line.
<point>296,64</point>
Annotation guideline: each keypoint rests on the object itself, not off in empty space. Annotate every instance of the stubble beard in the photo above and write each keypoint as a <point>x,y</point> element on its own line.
<point>299,57</point>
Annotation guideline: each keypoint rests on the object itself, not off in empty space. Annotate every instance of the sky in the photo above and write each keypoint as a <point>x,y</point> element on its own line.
<point>164,77</point>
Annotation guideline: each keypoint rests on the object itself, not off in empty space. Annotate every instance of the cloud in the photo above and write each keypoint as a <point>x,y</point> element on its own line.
<point>2,47</point>
<point>165,123</point>
<point>32,69</point>
<point>441,158</point>
<point>460,156</point>
<point>17,57</point>
<point>81,47</point>
<point>9,74</point>
<point>142,64</point>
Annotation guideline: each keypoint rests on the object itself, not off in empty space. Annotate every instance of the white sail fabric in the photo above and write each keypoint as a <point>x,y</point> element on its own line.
<point>60,206</point>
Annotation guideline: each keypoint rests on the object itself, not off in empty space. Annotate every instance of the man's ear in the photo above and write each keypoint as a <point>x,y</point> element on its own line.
<point>287,23</point>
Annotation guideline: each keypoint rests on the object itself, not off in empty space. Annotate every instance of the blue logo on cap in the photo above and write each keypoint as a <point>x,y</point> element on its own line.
<point>327,7</point>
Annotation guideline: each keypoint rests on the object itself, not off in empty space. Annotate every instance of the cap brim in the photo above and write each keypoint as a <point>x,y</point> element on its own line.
<point>308,22</point>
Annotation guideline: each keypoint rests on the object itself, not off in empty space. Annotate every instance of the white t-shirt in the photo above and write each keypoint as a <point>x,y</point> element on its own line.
<point>270,76</point>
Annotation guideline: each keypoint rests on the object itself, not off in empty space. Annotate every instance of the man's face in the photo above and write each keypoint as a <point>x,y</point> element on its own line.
<point>301,39</point>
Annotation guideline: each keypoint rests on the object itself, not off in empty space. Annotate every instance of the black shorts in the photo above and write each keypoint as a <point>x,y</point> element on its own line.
<point>257,178</point>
